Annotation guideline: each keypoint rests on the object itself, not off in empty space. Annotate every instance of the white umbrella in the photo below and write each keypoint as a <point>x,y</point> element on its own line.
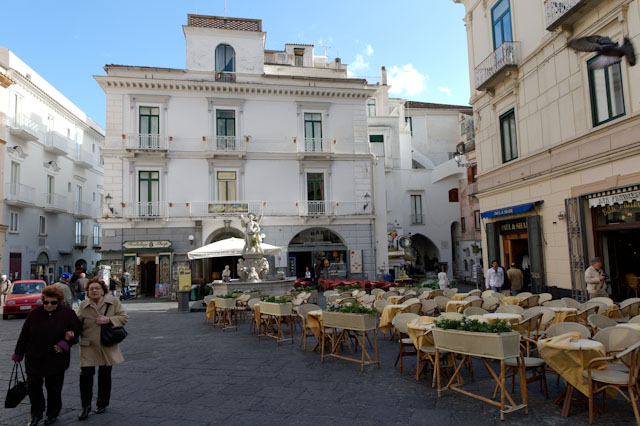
<point>229,247</point>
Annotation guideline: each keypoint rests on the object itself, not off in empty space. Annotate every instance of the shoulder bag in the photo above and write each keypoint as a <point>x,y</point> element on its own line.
<point>110,335</point>
<point>17,388</point>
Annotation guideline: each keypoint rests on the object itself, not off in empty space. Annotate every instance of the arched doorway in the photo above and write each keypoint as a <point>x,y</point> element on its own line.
<point>80,266</point>
<point>148,277</point>
<point>314,244</point>
<point>41,270</point>
<point>426,254</point>
<point>213,267</point>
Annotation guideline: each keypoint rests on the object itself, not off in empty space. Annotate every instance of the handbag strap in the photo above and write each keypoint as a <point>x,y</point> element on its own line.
<point>21,373</point>
<point>105,311</point>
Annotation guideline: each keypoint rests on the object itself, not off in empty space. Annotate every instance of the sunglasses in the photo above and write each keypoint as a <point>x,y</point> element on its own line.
<point>50,302</point>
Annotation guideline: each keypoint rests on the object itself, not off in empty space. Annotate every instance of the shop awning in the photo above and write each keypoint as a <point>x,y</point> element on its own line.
<point>614,196</point>
<point>229,247</point>
<point>508,211</point>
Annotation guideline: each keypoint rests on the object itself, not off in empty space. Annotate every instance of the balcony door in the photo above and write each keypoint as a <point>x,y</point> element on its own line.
<point>313,132</point>
<point>15,179</point>
<point>149,193</point>
<point>501,21</point>
<point>226,129</point>
<point>78,234</point>
<point>149,127</point>
<point>416,209</point>
<point>50,189</point>
<point>315,194</point>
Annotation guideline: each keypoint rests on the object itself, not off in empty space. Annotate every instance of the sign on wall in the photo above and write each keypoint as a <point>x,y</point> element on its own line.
<point>228,208</point>
<point>146,244</point>
<point>609,200</point>
<point>281,260</point>
<point>355,258</point>
<point>184,280</point>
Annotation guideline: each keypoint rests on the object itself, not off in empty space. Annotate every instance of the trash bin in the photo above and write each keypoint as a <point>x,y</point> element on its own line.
<point>183,301</point>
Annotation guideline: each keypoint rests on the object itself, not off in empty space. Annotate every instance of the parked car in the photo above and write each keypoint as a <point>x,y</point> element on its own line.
<point>22,298</point>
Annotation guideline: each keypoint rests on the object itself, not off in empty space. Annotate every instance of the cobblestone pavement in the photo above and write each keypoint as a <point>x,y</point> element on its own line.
<point>181,371</point>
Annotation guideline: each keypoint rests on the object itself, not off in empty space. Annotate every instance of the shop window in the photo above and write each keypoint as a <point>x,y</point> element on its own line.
<point>501,23</point>
<point>508,136</point>
<point>376,138</point>
<point>453,195</point>
<point>463,224</point>
<point>227,186</point>
<point>416,210</point>
<point>607,96</point>
<point>476,216</point>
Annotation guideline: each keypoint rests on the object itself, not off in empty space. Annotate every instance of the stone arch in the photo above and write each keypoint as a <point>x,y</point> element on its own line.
<point>317,243</point>
<point>80,264</point>
<point>213,267</point>
<point>224,233</point>
<point>424,251</point>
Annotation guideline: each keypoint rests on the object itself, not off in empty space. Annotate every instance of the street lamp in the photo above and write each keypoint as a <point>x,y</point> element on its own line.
<point>459,155</point>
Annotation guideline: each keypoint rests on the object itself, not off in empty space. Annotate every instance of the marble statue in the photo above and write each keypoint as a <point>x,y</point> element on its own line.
<point>226,274</point>
<point>253,276</point>
<point>242,270</point>
<point>252,237</point>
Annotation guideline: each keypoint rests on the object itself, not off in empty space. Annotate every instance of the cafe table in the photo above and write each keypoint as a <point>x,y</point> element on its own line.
<point>510,300</point>
<point>457,306</point>
<point>492,318</point>
<point>562,313</point>
<point>388,314</point>
<point>419,331</point>
<point>460,296</point>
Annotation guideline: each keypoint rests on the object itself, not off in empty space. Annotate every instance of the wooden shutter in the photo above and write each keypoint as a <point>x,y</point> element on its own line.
<point>577,246</point>
<point>536,259</point>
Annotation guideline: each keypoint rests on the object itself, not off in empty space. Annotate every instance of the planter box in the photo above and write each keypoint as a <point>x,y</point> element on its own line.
<point>314,294</point>
<point>485,345</point>
<point>225,302</point>
<point>280,309</point>
<point>358,322</point>
<point>254,295</point>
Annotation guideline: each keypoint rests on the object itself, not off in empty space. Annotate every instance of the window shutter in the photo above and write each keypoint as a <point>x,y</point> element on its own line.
<point>534,229</point>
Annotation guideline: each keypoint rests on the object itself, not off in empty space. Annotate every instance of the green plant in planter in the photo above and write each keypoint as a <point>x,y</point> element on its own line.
<point>344,288</point>
<point>474,326</point>
<point>453,283</point>
<point>273,299</point>
<point>228,296</point>
<point>349,308</point>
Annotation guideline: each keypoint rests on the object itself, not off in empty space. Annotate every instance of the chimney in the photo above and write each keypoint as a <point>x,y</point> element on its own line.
<point>383,76</point>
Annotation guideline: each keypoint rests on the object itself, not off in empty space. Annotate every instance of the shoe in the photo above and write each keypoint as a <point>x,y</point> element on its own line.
<point>85,413</point>
<point>100,410</point>
<point>50,420</point>
<point>34,421</point>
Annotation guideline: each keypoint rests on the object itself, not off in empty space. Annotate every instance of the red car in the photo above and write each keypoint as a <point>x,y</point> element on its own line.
<point>23,296</point>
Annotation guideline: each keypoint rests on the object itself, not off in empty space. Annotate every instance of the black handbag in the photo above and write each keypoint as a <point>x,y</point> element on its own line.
<point>110,335</point>
<point>17,389</point>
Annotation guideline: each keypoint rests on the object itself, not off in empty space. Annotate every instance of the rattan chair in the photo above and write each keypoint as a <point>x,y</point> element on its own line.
<point>442,303</point>
<point>332,298</point>
<point>474,310</point>
<point>400,322</point>
<point>571,303</point>
<point>474,301</point>
<point>531,364</point>
<point>510,309</point>
<point>451,316</point>
<point>449,292</point>
<point>635,320</point>
<point>412,306</point>
<point>599,322</point>
<point>376,291</point>
<point>630,307</point>
<point>631,282</point>
<point>524,295</point>
<point>530,324</point>
<point>567,327</point>
<point>555,304</point>
<point>428,307</point>
<point>389,294</point>
<point>606,300</point>
<point>529,302</point>
<point>544,297</point>
<point>488,293</point>
<point>476,292</point>
<point>490,303</point>
<point>547,315</point>
<point>379,306</point>
<point>306,331</point>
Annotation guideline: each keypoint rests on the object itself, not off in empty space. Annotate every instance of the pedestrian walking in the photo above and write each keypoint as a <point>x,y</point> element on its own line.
<point>596,279</point>
<point>98,309</point>
<point>515,277</point>
<point>495,277</point>
<point>113,286</point>
<point>126,280</point>
<point>443,279</point>
<point>5,285</point>
<point>47,335</point>
<point>81,284</point>
<point>65,285</point>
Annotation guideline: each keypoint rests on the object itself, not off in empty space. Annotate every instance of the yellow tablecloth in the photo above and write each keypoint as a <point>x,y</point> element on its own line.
<point>569,356</point>
<point>256,315</point>
<point>420,332</point>
<point>613,311</point>
<point>457,306</point>
<point>314,321</point>
<point>394,299</point>
<point>460,296</point>
<point>498,316</point>
<point>211,309</point>
<point>510,300</point>
<point>388,314</point>
<point>562,314</point>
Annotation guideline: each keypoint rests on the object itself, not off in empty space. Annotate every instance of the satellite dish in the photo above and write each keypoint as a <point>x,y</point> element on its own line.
<point>405,242</point>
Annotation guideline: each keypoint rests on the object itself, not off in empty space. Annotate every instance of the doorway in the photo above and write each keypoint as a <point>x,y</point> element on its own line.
<point>148,278</point>
<point>621,256</point>
<point>15,266</point>
<point>516,250</point>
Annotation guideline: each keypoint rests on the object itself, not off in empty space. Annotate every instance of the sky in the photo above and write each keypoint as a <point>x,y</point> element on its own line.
<point>422,43</point>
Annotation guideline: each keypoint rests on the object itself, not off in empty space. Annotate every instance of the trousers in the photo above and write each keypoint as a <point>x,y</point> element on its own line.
<point>53,383</point>
<point>104,385</point>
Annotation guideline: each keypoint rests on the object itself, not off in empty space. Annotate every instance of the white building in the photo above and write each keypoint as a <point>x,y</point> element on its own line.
<point>241,129</point>
<point>418,140</point>
<point>52,177</point>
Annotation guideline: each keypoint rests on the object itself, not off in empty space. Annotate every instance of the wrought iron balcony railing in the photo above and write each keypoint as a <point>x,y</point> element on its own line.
<point>506,56</point>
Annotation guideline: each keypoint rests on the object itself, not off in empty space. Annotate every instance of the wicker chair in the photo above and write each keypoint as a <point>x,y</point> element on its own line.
<point>451,316</point>
<point>630,307</point>
<point>555,304</point>
<point>488,293</point>
<point>389,294</point>
<point>529,302</point>
<point>531,324</point>
<point>524,295</point>
<point>490,303</point>
<point>606,300</point>
<point>437,292</point>
<point>547,315</point>
<point>332,298</point>
<point>599,322</point>
<point>568,327</point>
<point>631,281</point>
<point>449,292</point>
<point>531,364</point>
<point>510,309</point>
<point>376,291</point>
<point>400,322</point>
<point>544,297</point>
<point>475,292</point>
<point>635,320</point>
<point>474,310</point>
<point>379,306</point>
<point>306,331</point>
<point>474,301</point>
<point>442,303</point>
<point>571,303</point>
<point>428,307</point>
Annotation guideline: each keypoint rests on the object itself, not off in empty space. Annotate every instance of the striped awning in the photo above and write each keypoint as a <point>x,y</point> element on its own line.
<point>614,196</point>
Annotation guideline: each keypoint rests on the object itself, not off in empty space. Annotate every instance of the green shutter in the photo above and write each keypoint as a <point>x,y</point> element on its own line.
<point>534,230</point>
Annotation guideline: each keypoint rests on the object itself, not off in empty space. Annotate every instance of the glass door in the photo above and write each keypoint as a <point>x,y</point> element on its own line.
<point>315,194</point>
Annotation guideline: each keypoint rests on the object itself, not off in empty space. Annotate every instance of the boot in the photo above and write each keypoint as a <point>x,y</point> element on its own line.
<point>85,413</point>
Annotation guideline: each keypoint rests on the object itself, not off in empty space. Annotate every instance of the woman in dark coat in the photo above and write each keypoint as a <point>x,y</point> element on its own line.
<point>47,335</point>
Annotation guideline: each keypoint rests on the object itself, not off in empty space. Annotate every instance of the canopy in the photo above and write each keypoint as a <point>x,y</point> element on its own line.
<point>229,247</point>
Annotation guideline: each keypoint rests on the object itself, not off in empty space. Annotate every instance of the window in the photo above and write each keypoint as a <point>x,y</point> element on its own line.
<point>225,129</point>
<point>15,178</point>
<point>96,235</point>
<point>94,196</point>
<point>501,22</point>
<point>78,234</point>
<point>416,209</point>
<point>463,128</point>
<point>148,187</point>
<point>453,195</point>
<point>298,55</point>
<point>508,136</point>
<point>371,107</point>
<point>42,229</point>
<point>313,132</point>
<point>93,148</point>
<point>226,186</point>
<point>476,217</point>
<point>409,120</point>
<point>315,193</point>
<point>14,222</point>
<point>472,172</point>
<point>78,197</point>
<point>149,120</point>
<point>69,187</point>
<point>607,97</point>
<point>51,123</point>
<point>376,138</point>
<point>463,224</point>
<point>225,59</point>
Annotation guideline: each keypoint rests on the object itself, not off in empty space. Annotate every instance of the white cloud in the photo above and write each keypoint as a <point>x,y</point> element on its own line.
<point>406,79</point>
<point>445,90</point>
<point>358,65</point>
<point>369,50</point>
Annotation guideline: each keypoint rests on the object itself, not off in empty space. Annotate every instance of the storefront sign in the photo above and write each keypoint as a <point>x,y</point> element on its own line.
<point>184,280</point>
<point>146,244</point>
<point>355,261</point>
<point>506,211</point>
<point>609,200</point>
<point>228,208</point>
<point>607,210</point>
<point>513,226</point>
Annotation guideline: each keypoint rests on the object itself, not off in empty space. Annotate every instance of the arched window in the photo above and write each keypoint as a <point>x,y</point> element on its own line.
<point>453,195</point>
<point>371,107</point>
<point>225,62</point>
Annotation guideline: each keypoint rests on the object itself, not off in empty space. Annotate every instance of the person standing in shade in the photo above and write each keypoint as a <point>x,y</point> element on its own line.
<point>65,286</point>
<point>307,274</point>
<point>495,277</point>
<point>99,308</point>
<point>595,278</point>
<point>515,277</point>
<point>46,337</point>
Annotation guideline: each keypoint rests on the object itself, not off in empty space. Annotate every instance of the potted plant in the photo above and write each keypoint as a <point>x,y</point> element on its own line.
<point>279,306</point>
<point>226,301</point>
<point>349,317</point>
<point>475,338</point>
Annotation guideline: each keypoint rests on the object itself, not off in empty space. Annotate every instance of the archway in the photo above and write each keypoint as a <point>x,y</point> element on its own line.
<point>80,265</point>
<point>213,267</point>
<point>311,246</point>
<point>40,270</point>
<point>148,277</point>
<point>426,254</point>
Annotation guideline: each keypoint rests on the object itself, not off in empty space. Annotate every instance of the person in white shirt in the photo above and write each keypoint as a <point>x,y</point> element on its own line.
<point>443,279</point>
<point>307,274</point>
<point>495,277</point>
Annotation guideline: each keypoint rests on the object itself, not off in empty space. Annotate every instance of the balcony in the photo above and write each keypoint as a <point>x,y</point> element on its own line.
<point>564,12</point>
<point>314,147</point>
<point>83,210</point>
<point>146,210</point>
<point>146,142</point>
<point>83,158</point>
<point>25,128</point>
<point>417,219</point>
<point>353,208</point>
<point>56,144</point>
<point>19,195</point>
<point>215,208</point>
<point>492,70</point>
<point>472,189</point>
<point>95,242</point>
<point>317,208</point>
<point>226,77</point>
<point>55,203</point>
<point>80,241</point>
<point>278,58</point>
<point>227,146</point>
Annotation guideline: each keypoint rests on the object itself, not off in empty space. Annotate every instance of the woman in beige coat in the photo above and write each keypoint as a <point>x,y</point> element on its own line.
<point>97,309</point>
